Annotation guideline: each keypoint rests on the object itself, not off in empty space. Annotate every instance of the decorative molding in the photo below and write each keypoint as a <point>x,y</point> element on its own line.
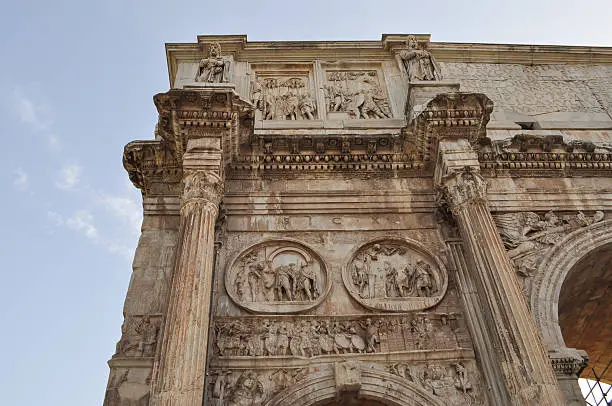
<point>152,167</point>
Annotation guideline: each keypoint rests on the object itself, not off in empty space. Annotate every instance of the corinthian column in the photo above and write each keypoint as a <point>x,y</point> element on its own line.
<point>528,374</point>
<point>182,359</point>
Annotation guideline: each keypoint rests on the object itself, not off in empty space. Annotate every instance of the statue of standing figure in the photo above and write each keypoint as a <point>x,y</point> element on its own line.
<point>419,63</point>
<point>214,68</point>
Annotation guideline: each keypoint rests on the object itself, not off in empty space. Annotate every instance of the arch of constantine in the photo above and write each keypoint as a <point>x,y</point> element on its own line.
<point>394,222</point>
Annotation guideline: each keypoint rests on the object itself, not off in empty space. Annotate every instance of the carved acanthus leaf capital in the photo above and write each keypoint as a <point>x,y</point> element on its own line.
<point>206,186</point>
<point>462,187</point>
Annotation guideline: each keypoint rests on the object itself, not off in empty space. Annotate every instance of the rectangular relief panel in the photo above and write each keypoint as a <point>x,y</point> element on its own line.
<point>284,92</point>
<point>355,93</point>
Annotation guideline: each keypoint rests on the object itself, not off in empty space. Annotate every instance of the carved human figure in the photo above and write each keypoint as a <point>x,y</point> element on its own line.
<point>462,382</point>
<point>269,337</point>
<point>268,277</point>
<point>360,277</point>
<point>391,287</point>
<point>306,281</point>
<point>147,331</point>
<point>371,335</point>
<point>419,63</point>
<point>371,255</point>
<point>282,340</point>
<point>220,388</point>
<point>307,107</point>
<point>214,68</point>
<point>247,391</point>
<point>423,281</point>
<point>284,282</point>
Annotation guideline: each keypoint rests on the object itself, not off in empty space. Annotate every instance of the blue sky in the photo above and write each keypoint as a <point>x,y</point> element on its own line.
<point>77,80</point>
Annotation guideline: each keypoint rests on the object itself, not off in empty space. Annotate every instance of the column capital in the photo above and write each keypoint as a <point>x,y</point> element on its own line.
<point>462,187</point>
<point>202,187</point>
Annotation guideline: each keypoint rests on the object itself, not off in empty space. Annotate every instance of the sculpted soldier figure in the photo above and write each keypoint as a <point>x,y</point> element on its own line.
<point>214,69</point>
<point>419,63</point>
<point>247,391</point>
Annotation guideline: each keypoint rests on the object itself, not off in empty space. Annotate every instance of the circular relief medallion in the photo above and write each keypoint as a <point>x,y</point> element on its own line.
<point>277,277</point>
<point>395,275</point>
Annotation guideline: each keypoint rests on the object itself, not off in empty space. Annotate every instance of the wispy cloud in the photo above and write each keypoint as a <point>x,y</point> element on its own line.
<point>69,176</point>
<point>125,208</point>
<point>21,181</point>
<point>83,223</point>
<point>29,111</point>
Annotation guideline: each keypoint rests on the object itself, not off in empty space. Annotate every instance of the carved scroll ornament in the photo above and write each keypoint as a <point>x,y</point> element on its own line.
<point>277,277</point>
<point>395,275</point>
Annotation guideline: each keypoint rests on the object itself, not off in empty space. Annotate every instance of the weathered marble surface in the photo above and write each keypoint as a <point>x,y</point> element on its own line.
<point>325,265</point>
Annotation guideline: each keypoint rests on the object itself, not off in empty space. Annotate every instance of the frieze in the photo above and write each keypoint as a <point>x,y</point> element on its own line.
<point>395,275</point>
<point>316,336</point>
<point>278,277</point>
<point>535,155</point>
<point>358,93</point>
<point>528,235</point>
<point>452,382</point>
<point>249,387</point>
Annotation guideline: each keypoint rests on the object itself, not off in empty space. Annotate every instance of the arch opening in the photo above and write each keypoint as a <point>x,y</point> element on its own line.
<point>585,309</point>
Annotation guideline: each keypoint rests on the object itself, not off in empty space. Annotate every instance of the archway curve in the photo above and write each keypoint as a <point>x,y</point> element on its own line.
<point>376,385</point>
<point>552,272</point>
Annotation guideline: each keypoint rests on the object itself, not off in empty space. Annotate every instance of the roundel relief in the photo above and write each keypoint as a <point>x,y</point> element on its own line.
<point>395,275</point>
<point>277,277</point>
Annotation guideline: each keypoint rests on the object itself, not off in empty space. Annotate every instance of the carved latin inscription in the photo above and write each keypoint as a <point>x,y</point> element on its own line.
<point>277,277</point>
<point>392,275</point>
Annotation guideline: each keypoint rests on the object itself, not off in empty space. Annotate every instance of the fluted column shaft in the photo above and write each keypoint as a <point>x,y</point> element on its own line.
<point>180,372</point>
<point>529,376</point>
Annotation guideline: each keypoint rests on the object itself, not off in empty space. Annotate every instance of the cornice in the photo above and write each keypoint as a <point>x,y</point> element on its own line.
<point>307,51</point>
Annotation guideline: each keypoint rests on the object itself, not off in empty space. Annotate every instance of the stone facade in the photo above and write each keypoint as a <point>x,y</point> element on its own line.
<point>375,222</point>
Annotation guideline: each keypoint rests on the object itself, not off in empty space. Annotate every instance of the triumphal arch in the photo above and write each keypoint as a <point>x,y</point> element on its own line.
<point>394,222</point>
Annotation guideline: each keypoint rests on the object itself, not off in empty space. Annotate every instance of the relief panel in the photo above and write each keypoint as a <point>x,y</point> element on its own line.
<point>277,277</point>
<point>356,94</point>
<point>284,95</point>
<point>395,275</point>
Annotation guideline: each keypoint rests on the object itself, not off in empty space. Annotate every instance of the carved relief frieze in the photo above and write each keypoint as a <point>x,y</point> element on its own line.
<point>249,387</point>
<point>452,382</point>
<point>360,93</point>
<point>528,235</point>
<point>139,336</point>
<point>283,98</point>
<point>316,336</point>
<point>395,275</point>
<point>278,277</point>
